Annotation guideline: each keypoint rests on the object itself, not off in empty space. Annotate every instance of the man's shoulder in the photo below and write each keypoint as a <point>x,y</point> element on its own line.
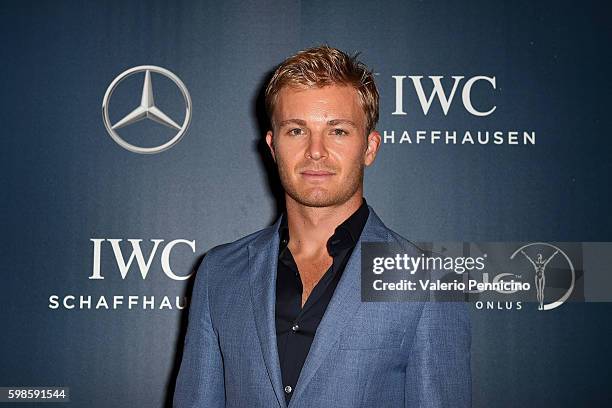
<point>229,250</point>
<point>388,235</point>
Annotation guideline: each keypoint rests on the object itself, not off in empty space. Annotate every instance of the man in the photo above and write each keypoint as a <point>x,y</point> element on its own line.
<point>276,318</point>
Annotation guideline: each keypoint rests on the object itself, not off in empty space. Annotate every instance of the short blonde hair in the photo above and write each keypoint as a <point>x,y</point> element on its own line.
<point>322,66</point>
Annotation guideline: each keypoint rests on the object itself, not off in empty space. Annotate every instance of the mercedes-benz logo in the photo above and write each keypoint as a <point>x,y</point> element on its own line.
<point>146,109</point>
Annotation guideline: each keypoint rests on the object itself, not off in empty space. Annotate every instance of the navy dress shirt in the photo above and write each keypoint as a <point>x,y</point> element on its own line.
<point>296,326</point>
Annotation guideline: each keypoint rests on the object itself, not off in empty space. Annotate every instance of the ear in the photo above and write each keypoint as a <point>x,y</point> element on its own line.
<point>270,143</point>
<point>373,142</point>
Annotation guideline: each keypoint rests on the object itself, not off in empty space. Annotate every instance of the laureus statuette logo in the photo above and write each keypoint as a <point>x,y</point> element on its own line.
<point>146,109</point>
<point>544,253</point>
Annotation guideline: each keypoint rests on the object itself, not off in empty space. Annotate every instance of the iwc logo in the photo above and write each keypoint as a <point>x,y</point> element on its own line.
<point>146,109</point>
<point>539,256</point>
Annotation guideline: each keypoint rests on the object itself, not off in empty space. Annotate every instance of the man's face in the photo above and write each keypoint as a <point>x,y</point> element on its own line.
<point>319,144</point>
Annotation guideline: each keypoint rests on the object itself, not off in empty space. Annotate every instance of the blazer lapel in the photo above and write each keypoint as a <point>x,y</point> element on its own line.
<point>343,304</point>
<point>263,257</point>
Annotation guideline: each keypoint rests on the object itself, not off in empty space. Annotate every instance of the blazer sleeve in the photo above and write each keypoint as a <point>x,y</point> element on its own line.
<point>200,382</point>
<point>438,373</point>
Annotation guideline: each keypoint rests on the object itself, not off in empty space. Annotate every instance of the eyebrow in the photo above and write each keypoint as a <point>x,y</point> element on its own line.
<point>333,122</point>
<point>292,121</point>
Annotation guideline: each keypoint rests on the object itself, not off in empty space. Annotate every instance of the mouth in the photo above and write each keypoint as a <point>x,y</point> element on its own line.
<point>315,175</point>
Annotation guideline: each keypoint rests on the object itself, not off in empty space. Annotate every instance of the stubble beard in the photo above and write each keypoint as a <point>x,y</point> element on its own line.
<point>315,196</point>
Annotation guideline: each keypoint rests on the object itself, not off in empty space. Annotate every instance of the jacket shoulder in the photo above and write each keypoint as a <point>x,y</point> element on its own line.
<point>399,240</point>
<point>235,248</point>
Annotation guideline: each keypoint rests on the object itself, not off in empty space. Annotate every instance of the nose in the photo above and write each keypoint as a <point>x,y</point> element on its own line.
<point>316,148</point>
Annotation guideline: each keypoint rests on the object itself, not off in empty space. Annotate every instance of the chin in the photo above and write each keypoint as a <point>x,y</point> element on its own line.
<point>320,198</point>
<point>319,203</point>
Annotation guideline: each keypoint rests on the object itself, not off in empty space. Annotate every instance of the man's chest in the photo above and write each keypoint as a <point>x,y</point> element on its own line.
<point>310,273</point>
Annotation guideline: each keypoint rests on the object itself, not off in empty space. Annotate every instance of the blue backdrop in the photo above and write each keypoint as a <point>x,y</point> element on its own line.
<point>66,183</point>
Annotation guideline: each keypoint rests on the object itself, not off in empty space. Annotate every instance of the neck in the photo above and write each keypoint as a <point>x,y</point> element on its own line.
<point>311,227</point>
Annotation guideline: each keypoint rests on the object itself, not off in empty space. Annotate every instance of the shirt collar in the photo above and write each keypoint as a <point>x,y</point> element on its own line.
<point>345,235</point>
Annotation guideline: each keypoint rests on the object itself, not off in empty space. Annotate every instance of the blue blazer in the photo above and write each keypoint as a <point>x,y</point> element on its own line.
<point>364,354</point>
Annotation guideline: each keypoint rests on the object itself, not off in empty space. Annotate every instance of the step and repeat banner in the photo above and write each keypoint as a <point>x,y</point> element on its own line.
<point>132,143</point>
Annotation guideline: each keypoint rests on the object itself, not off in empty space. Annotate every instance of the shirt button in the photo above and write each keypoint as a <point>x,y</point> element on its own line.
<point>295,327</point>
<point>288,389</point>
